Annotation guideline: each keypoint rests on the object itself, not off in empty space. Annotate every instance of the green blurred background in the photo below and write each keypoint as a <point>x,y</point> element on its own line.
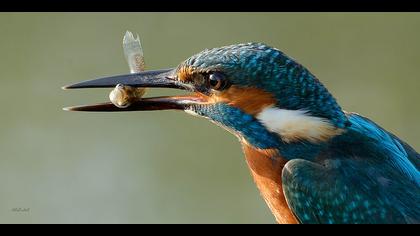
<point>168,167</point>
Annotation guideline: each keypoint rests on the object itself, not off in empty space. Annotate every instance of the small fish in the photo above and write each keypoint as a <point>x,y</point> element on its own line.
<point>133,52</point>
<point>123,96</point>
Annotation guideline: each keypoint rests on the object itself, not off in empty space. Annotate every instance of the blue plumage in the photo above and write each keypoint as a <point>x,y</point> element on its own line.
<point>247,126</point>
<point>363,175</point>
<point>312,161</point>
<point>244,124</point>
<point>258,65</point>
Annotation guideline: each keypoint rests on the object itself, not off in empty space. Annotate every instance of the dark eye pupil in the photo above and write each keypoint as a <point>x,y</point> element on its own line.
<point>213,82</point>
<point>216,80</point>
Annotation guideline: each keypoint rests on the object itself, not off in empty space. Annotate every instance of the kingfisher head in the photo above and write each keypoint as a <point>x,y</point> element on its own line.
<point>255,91</point>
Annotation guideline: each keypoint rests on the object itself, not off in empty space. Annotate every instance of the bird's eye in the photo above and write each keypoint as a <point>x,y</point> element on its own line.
<point>217,81</point>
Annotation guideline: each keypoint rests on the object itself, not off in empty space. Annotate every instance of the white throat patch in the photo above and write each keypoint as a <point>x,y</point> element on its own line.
<point>295,125</point>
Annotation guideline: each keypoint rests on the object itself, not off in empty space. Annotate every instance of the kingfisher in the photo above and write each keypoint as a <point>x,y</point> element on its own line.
<point>312,161</point>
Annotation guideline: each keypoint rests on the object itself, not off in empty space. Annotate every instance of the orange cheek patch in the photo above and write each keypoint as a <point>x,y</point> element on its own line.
<point>250,100</point>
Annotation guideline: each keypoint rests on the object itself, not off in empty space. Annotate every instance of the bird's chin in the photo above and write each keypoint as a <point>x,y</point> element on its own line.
<point>183,102</point>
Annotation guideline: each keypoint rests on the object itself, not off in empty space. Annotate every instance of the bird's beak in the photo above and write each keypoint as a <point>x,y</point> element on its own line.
<point>147,79</point>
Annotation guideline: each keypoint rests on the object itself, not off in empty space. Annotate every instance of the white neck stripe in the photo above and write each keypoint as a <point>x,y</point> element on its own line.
<point>295,125</point>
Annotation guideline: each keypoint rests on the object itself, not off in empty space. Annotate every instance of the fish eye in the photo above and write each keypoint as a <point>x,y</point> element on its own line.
<point>217,81</point>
